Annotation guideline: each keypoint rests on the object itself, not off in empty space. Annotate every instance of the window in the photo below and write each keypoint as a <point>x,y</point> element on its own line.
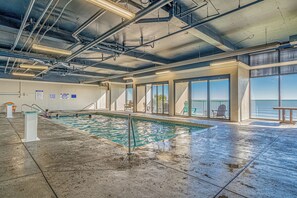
<point>219,98</point>
<point>129,98</point>
<point>288,92</point>
<point>153,98</point>
<point>273,87</point>
<point>203,97</point>
<point>199,92</point>
<point>264,96</point>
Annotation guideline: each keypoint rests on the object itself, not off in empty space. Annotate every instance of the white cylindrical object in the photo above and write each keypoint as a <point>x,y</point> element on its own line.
<point>9,111</point>
<point>31,122</point>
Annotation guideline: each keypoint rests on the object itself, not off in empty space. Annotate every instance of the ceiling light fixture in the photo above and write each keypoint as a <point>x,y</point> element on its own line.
<point>162,72</point>
<point>114,8</point>
<point>128,78</point>
<point>223,63</point>
<point>51,50</point>
<point>23,74</point>
<point>37,67</point>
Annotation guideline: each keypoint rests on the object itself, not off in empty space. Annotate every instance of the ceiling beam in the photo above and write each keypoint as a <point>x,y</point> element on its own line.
<point>202,32</point>
<point>33,56</point>
<point>66,37</point>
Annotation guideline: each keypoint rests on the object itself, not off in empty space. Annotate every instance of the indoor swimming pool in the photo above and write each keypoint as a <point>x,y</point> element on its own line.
<point>115,128</point>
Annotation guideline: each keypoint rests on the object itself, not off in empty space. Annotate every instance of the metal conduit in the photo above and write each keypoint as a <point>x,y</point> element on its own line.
<point>42,25</point>
<point>21,29</point>
<point>113,31</point>
<point>38,22</point>
<point>32,31</point>
<point>96,16</point>
<point>65,6</point>
<point>199,23</point>
<point>120,27</point>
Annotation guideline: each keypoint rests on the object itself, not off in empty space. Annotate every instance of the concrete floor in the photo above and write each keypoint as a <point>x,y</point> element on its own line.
<point>254,159</point>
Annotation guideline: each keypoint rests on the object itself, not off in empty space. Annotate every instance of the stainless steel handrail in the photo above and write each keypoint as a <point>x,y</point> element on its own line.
<point>88,106</point>
<point>29,107</point>
<point>38,107</point>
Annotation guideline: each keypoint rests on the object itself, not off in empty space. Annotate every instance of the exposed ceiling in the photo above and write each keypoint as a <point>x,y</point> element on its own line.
<point>133,47</point>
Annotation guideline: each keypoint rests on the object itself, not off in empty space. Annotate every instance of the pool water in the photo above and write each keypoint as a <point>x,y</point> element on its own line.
<point>115,128</point>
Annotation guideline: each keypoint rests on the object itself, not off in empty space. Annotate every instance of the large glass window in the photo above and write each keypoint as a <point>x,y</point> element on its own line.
<point>199,98</point>
<point>166,100</point>
<point>149,102</point>
<point>264,96</point>
<point>155,98</point>
<point>129,98</point>
<point>219,98</point>
<point>289,92</point>
<point>203,97</point>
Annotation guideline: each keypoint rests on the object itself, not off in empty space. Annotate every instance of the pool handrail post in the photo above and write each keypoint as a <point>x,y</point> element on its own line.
<point>129,134</point>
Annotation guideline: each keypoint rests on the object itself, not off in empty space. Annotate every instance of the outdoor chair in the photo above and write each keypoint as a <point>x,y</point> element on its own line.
<point>221,112</point>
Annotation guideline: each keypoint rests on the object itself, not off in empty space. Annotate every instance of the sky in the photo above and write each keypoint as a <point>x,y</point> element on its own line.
<point>266,88</point>
<point>219,90</point>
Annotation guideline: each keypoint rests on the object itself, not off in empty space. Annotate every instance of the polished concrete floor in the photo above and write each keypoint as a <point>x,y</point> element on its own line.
<point>253,159</point>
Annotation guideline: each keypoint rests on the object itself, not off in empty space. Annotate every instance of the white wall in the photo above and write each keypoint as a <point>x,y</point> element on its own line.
<point>23,92</point>
<point>117,97</point>
<point>181,96</point>
<point>140,100</point>
<point>103,98</point>
<point>243,93</point>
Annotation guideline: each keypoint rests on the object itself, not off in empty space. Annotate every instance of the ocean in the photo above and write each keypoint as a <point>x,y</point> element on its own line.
<point>264,108</point>
<point>259,108</point>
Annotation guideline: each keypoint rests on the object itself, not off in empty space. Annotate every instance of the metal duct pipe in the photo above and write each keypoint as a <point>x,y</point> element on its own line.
<point>156,20</point>
<point>96,16</point>
<point>202,59</point>
<point>46,19</point>
<point>23,24</point>
<point>120,27</point>
<point>34,28</point>
<point>61,13</point>
<point>38,22</point>
<point>77,75</point>
<point>199,23</point>
<point>21,29</point>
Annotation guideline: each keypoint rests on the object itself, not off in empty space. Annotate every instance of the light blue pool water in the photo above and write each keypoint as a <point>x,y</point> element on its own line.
<point>116,128</point>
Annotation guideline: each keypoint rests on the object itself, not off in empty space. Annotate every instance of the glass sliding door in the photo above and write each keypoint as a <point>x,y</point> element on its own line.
<point>199,98</point>
<point>181,98</point>
<point>155,98</point>
<point>160,98</point>
<point>206,97</point>
<point>288,92</point>
<point>149,101</point>
<point>219,98</point>
<point>129,98</point>
<point>264,96</point>
<point>166,101</point>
